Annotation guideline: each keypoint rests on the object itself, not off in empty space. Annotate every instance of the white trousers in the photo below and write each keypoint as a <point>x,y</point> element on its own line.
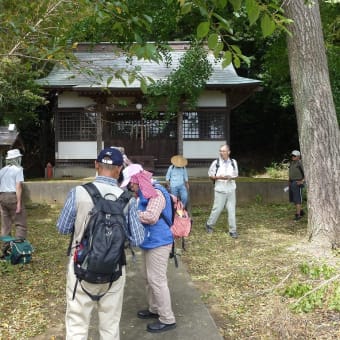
<point>78,311</point>
<point>224,201</point>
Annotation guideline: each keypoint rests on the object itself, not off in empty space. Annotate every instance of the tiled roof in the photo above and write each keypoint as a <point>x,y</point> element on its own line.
<point>101,66</point>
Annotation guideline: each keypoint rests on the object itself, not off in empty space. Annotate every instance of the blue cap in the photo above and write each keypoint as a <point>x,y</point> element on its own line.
<point>110,156</point>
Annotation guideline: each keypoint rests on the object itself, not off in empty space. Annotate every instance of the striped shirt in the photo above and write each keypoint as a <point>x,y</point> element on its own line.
<point>67,217</point>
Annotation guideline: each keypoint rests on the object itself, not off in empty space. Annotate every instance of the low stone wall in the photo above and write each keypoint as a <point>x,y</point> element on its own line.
<point>201,192</point>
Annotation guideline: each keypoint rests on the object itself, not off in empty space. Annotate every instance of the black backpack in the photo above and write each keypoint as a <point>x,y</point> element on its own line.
<point>99,256</point>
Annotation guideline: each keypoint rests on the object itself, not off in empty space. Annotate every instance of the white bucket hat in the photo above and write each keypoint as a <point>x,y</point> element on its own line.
<point>15,153</point>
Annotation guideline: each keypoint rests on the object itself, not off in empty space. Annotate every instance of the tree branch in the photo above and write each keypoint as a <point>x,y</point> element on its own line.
<point>37,24</point>
<point>317,288</point>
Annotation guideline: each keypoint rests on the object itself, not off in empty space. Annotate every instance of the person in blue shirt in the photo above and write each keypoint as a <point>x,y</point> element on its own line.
<point>177,178</point>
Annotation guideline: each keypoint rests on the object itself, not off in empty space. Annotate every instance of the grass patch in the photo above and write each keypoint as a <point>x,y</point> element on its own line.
<point>244,281</point>
<point>250,285</point>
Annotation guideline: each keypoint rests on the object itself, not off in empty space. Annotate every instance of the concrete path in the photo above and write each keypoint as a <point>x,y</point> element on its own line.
<point>194,321</point>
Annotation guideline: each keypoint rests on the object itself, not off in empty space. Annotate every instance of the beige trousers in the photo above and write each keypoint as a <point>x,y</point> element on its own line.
<point>78,311</point>
<point>155,266</point>
<point>8,206</point>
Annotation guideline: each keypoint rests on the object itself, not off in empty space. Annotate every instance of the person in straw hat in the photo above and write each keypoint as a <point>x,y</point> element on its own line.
<point>177,178</point>
<point>11,205</point>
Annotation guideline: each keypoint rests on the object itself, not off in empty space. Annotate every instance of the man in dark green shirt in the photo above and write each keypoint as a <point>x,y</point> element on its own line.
<point>296,183</point>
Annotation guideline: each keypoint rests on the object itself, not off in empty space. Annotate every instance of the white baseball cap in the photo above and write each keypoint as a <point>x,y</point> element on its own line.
<point>296,153</point>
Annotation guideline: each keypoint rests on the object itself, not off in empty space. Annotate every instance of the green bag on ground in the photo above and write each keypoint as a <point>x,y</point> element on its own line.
<point>18,251</point>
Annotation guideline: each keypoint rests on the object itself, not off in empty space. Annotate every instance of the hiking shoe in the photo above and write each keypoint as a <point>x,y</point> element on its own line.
<point>146,314</point>
<point>297,217</point>
<point>234,234</point>
<point>158,327</point>
<point>209,229</point>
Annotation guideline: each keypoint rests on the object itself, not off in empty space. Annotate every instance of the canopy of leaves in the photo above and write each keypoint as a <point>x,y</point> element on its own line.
<point>19,95</point>
<point>183,84</point>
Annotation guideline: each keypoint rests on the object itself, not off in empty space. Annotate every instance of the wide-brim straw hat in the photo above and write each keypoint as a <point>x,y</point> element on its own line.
<point>179,161</point>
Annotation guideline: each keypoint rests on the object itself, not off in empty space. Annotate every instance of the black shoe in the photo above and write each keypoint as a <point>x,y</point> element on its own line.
<point>209,229</point>
<point>146,314</point>
<point>234,234</point>
<point>297,217</point>
<point>158,327</point>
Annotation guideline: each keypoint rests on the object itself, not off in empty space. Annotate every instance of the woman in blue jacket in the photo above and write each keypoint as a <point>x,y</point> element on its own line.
<point>155,210</point>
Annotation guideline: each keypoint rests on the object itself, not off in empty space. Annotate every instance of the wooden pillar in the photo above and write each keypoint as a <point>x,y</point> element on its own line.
<point>100,115</point>
<point>180,132</point>
<point>227,118</point>
<point>227,125</point>
<point>99,130</point>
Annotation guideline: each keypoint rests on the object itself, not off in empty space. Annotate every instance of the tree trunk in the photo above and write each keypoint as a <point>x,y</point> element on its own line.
<point>317,122</point>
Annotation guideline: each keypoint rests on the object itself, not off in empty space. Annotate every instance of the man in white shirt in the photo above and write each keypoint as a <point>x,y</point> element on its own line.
<point>223,172</point>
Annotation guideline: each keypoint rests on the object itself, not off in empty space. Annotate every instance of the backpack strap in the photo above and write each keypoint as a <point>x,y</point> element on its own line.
<point>95,195</point>
<point>217,165</point>
<point>92,191</point>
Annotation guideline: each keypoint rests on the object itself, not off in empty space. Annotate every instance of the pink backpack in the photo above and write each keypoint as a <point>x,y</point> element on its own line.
<point>181,225</point>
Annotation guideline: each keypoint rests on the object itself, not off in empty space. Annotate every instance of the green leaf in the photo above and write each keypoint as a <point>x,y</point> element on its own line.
<point>212,41</point>
<point>218,49</point>
<point>203,29</point>
<point>140,52</point>
<point>237,61</point>
<point>221,3</point>
<point>150,50</point>
<point>186,8</point>
<point>143,86</point>
<point>253,11</point>
<point>236,49</point>
<point>236,4</point>
<point>227,58</point>
<point>267,25</point>
<point>108,80</point>
<point>223,22</point>
<point>131,78</point>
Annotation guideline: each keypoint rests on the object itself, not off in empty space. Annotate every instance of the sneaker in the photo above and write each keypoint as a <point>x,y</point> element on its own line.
<point>209,229</point>
<point>297,217</point>
<point>234,234</point>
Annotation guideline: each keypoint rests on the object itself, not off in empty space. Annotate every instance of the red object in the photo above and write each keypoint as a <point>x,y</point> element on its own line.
<point>49,170</point>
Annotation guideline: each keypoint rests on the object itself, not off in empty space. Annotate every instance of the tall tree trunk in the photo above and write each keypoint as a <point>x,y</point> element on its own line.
<point>317,122</point>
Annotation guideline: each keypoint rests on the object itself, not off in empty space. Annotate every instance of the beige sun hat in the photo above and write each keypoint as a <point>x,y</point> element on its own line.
<point>179,161</point>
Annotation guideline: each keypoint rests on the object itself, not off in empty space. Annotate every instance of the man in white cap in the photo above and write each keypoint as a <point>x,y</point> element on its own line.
<point>11,205</point>
<point>296,183</point>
